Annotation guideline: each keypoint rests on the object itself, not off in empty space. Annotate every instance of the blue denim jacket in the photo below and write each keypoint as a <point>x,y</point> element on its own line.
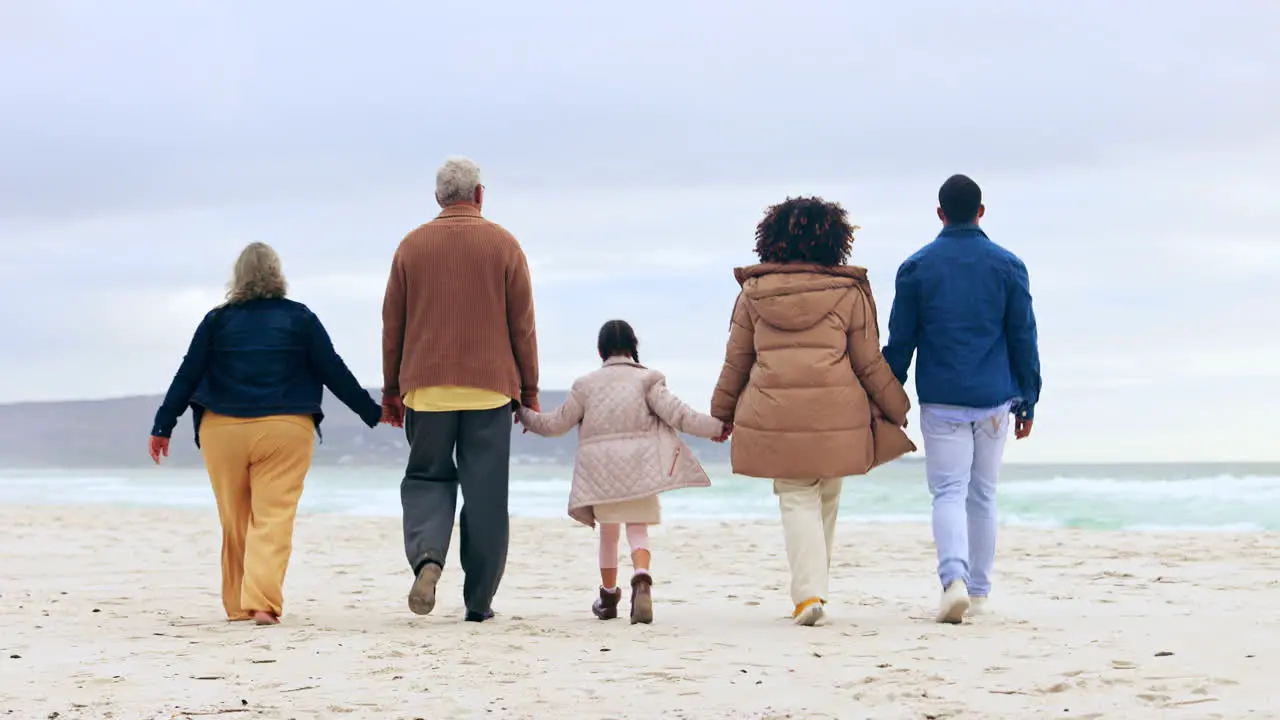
<point>963,307</point>
<point>260,358</point>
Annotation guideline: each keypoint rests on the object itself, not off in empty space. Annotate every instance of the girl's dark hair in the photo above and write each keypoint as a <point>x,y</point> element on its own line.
<point>805,229</point>
<point>617,338</point>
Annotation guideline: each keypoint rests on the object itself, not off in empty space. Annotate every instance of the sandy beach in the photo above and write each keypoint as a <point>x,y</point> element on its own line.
<point>114,613</point>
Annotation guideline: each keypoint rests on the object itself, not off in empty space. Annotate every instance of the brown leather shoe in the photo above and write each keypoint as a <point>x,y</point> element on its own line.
<point>641,599</point>
<point>422,595</point>
<point>606,606</point>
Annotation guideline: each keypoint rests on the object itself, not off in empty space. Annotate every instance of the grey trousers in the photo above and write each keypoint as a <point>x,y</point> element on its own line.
<point>481,440</point>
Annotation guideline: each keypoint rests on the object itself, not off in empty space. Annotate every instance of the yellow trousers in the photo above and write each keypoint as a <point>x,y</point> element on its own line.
<point>257,466</point>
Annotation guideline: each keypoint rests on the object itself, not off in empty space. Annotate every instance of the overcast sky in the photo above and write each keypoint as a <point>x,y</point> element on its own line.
<point>1129,153</point>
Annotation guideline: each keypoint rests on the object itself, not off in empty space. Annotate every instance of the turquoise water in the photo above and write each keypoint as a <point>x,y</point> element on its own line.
<point>1134,496</point>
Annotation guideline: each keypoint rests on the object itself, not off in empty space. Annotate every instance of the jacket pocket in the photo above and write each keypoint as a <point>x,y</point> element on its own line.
<point>675,458</point>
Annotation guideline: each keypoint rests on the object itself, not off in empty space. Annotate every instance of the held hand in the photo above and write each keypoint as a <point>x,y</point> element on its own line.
<point>393,411</point>
<point>724,434</point>
<point>158,447</point>
<point>1021,428</point>
<point>515,416</point>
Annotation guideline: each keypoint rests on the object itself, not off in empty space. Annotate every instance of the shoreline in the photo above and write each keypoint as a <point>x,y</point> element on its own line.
<point>118,613</point>
<point>849,521</point>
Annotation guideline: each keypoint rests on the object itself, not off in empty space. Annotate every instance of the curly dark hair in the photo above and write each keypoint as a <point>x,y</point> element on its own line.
<point>805,229</point>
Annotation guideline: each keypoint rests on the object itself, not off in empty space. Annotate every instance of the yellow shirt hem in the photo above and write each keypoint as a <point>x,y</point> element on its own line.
<point>449,398</point>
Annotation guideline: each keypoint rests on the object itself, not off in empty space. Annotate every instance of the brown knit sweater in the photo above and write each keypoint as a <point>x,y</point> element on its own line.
<point>459,310</point>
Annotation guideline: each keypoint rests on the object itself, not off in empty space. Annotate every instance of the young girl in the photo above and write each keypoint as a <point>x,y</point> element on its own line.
<point>628,453</point>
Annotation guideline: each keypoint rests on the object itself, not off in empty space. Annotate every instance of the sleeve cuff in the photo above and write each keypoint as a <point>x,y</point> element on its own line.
<point>372,414</point>
<point>1024,411</point>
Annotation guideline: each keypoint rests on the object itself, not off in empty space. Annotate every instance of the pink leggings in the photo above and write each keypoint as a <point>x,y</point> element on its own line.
<point>637,538</point>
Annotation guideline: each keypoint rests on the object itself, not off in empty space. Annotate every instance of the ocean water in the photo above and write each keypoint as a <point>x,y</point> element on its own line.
<point>1235,498</point>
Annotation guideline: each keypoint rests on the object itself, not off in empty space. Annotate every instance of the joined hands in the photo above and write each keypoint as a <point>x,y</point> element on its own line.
<point>393,411</point>
<point>515,415</point>
<point>724,434</point>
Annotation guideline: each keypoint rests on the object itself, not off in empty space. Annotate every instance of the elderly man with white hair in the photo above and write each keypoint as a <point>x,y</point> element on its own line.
<point>459,354</point>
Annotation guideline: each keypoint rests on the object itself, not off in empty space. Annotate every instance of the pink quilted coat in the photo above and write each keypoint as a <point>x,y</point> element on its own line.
<point>628,447</point>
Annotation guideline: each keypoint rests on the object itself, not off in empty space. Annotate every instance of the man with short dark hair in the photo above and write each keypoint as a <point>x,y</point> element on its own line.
<point>963,305</point>
<point>459,354</point>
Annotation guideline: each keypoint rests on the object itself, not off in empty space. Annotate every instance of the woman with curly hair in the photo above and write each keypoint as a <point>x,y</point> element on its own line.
<point>809,396</point>
<point>253,378</point>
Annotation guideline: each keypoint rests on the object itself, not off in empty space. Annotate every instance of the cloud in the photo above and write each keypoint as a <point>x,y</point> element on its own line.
<point>311,104</point>
<point>1239,258</point>
<point>1129,157</point>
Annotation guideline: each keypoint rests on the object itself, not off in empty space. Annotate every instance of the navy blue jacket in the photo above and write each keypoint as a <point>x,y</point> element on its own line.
<point>260,358</point>
<point>963,305</point>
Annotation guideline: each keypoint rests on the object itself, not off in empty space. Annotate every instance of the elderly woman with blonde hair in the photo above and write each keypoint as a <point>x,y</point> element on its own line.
<point>253,378</point>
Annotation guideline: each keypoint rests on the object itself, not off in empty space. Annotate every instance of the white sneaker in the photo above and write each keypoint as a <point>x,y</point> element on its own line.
<point>955,602</point>
<point>977,606</point>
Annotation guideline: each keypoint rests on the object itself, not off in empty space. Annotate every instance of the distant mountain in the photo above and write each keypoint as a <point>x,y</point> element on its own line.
<point>105,434</point>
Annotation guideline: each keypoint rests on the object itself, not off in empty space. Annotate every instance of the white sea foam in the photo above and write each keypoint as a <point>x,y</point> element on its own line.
<point>1218,488</point>
<point>1146,502</point>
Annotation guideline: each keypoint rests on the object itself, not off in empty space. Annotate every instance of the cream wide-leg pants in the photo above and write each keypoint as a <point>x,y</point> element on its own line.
<point>809,510</point>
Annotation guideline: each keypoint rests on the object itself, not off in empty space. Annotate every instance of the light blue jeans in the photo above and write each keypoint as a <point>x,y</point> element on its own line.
<point>963,450</point>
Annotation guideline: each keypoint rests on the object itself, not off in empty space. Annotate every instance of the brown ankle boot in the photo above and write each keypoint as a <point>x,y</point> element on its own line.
<point>641,599</point>
<point>606,606</point>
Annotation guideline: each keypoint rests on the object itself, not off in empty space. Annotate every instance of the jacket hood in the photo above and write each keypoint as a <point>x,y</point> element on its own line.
<point>795,296</point>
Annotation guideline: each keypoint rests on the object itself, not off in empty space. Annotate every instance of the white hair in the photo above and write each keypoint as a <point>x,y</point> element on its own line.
<point>456,181</point>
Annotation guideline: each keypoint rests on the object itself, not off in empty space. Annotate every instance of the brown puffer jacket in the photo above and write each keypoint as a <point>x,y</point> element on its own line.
<point>803,376</point>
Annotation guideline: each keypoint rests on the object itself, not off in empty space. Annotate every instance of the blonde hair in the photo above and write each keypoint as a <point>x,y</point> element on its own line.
<point>257,275</point>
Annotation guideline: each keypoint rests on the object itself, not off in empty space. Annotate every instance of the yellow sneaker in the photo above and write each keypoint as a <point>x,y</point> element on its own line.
<point>809,612</point>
